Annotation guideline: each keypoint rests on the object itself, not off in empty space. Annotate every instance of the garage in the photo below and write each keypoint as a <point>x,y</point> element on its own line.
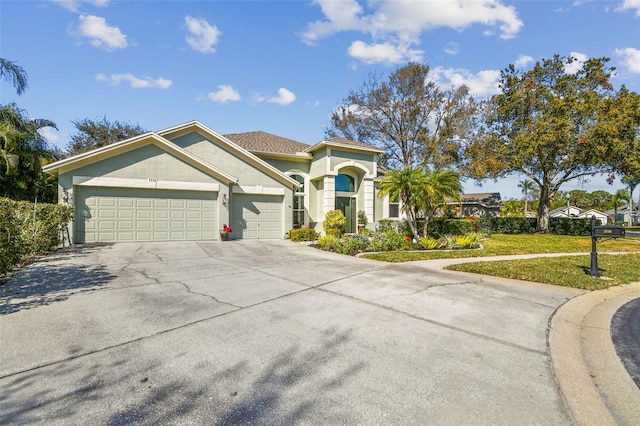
<point>105,214</point>
<point>257,216</point>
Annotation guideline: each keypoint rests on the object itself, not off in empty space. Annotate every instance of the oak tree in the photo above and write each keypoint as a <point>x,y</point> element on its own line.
<point>554,124</point>
<point>408,115</point>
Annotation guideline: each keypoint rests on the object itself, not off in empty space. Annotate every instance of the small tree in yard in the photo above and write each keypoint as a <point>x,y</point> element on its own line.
<point>554,124</point>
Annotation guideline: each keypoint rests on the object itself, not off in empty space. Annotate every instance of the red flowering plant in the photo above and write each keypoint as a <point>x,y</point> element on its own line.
<point>226,229</point>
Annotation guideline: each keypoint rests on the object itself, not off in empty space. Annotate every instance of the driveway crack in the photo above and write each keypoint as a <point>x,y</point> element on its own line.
<point>215,299</point>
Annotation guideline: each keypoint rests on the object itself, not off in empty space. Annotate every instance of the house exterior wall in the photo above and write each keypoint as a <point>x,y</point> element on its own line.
<point>218,156</point>
<point>366,160</point>
<point>319,167</point>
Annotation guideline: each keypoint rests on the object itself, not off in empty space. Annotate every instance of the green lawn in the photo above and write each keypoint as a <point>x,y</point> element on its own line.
<point>569,271</point>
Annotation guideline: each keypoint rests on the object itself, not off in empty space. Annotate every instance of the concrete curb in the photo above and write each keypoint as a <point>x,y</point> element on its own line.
<point>591,377</point>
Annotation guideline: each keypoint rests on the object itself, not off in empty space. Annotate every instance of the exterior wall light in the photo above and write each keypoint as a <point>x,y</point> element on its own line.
<point>225,200</point>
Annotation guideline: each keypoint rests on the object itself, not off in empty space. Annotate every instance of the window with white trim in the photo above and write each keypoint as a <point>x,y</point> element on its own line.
<point>298,203</point>
<point>394,207</point>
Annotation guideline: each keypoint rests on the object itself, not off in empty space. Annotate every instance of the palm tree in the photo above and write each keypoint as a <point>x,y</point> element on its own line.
<point>404,185</point>
<point>618,197</point>
<point>14,73</point>
<point>527,187</point>
<point>22,150</point>
<point>631,181</point>
<point>439,187</point>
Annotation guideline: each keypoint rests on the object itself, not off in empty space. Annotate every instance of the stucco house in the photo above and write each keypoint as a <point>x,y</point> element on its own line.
<point>185,182</point>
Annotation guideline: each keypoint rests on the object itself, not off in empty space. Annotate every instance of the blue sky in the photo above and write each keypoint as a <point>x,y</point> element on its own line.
<point>283,66</point>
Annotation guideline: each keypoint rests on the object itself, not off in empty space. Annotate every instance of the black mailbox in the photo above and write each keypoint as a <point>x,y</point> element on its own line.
<point>608,231</point>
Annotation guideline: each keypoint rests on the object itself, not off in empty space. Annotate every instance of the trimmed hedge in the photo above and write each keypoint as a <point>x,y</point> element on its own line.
<point>508,225</point>
<point>439,226</point>
<point>22,238</point>
<point>522,225</point>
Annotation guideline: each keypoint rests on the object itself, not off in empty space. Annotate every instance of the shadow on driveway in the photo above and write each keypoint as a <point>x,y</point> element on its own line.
<point>50,280</point>
<point>283,389</point>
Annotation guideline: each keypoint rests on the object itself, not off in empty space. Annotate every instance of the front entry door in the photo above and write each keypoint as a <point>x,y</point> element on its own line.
<point>347,205</point>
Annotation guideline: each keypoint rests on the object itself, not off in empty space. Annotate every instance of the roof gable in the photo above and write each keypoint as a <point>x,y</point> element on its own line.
<point>109,151</point>
<point>343,143</point>
<point>243,153</point>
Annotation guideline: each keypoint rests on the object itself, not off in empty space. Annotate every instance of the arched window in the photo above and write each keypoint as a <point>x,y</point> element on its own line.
<point>298,202</point>
<point>345,183</point>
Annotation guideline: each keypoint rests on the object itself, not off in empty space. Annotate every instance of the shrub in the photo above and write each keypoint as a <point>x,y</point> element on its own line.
<point>353,244</point>
<point>387,241</point>
<point>362,218</point>
<point>21,237</point>
<point>440,226</point>
<point>508,225</point>
<point>429,243</point>
<point>303,234</point>
<point>386,225</point>
<point>464,241</point>
<point>329,243</point>
<point>334,223</point>
<point>567,226</point>
<point>449,241</point>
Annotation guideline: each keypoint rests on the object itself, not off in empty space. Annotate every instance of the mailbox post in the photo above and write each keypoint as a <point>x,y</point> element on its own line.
<point>594,272</point>
<point>603,231</point>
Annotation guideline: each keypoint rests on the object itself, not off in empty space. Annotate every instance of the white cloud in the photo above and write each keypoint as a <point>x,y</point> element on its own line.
<point>630,5</point>
<point>224,94</point>
<point>386,53</point>
<point>484,83</point>
<point>203,36</point>
<point>99,33</point>
<point>74,5</point>
<point>523,61</point>
<point>135,82</point>
<point>285,97</point>
<point>576,65</point>
<point>630,58</point>
<point>400,23</point>
<point>452,48</point>
<point>50,135</point>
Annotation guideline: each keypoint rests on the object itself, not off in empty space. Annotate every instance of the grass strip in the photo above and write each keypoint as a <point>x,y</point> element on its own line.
<point>568,271</point>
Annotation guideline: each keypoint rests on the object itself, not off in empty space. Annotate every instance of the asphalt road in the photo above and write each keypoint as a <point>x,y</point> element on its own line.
<point>625,331</point>
<point>270,332</point>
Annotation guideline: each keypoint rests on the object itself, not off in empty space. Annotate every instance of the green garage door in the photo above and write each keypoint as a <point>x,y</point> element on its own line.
<point>127,214</point>
<point>257,216</point>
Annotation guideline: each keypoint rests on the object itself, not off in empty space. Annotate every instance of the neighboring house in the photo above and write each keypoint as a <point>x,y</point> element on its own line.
<point>185,182</point>
<point>577,213</point>
<point>623,213</point>
<point>485,204</point>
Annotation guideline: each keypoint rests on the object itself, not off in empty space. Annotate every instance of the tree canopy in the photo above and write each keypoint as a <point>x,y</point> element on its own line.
<point>15,74</point>
<point>555,124</point>
<point>409,116</point>
<point>24,151</point>
<point>92,134</point>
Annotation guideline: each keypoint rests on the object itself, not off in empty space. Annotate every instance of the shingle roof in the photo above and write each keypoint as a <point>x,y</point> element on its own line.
<point>266,142</point>
<point>344,141</point>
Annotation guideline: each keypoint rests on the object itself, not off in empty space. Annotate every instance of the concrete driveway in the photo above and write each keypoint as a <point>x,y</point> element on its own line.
<point>270,332</point>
